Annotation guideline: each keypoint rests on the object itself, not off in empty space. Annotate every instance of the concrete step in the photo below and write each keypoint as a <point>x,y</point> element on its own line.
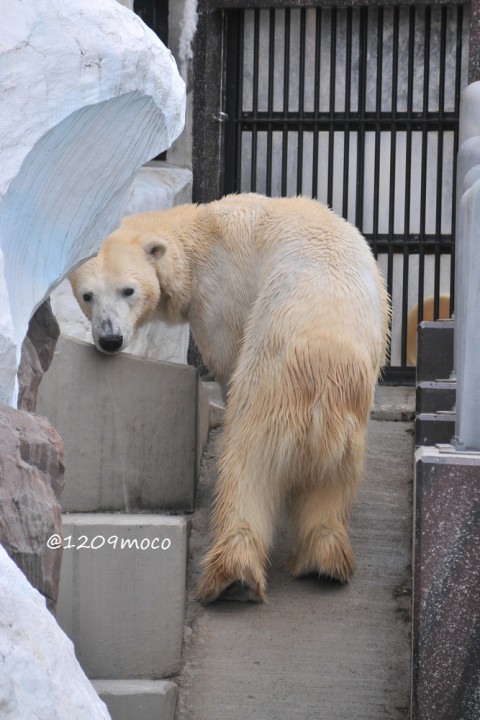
<point>138,699</point>
<point>122,593</point>
<point>129,428</point>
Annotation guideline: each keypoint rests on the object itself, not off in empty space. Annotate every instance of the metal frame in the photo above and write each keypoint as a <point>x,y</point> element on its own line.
<point>208,103</point>
<point>209,76</point>
<point>216,137</point>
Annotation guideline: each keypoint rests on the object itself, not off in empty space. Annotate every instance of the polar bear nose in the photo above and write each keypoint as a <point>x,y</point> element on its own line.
<point>110,343</point>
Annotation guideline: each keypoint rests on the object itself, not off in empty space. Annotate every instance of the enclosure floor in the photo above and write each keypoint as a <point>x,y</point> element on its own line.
<point>316,650</point>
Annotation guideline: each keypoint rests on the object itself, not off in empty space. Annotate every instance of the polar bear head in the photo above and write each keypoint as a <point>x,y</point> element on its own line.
<point>120,287</point>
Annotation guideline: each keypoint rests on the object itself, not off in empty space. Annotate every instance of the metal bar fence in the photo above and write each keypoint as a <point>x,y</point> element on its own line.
<point>358,106</point>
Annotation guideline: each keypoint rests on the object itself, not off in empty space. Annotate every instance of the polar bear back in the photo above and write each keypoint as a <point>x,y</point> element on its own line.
<point>293,266</point>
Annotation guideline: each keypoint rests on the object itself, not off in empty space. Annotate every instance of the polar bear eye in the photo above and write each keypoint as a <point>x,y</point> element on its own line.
<point>87,297</point>
<point>126,292</point>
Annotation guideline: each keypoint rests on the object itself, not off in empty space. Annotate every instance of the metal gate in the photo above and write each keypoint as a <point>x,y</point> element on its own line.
<point>358,107</point>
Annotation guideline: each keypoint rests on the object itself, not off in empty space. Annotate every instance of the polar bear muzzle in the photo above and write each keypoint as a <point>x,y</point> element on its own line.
<point>110,343</point>
<point>109,340</point>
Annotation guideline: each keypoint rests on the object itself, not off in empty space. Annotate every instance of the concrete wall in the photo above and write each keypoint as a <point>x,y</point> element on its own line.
<point>129,429</point>
<point>122,593</point>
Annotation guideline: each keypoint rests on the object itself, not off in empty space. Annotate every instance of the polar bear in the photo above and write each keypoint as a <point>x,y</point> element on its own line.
<point>289,311</point>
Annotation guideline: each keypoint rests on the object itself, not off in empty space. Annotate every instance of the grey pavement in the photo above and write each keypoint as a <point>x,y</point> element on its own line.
<point>315,650</point>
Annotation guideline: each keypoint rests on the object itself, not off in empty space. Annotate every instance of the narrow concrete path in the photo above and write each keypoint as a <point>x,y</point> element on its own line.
<point>316,650</point>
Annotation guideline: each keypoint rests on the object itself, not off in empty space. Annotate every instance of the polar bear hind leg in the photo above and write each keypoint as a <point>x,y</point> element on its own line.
<point>320,505</point>
<point>294,435</point>
<point>254,460</point>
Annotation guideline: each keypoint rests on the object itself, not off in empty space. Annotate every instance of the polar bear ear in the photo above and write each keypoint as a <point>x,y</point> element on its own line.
<point>154,247</point>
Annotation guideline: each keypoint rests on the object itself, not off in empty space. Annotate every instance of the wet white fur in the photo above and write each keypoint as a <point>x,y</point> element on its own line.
<point>287,307</point>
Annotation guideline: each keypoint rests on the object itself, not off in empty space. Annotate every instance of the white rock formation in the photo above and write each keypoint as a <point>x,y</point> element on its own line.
<point>40,678</point>
<point>89,95</point>
<point>155,187</point>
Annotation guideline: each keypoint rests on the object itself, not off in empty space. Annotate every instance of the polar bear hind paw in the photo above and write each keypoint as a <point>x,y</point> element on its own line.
<point>214,587</point>
<point>233,570</point>
<point>327,555</point>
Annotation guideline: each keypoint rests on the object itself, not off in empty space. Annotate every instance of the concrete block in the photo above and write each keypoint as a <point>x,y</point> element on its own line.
<point>129,429</point>
<point>446,606</point>
<point>122,593</point>
<point>434,396</point>
<point>139,699</point>
<point>435,350</point>
<point>432,428</point>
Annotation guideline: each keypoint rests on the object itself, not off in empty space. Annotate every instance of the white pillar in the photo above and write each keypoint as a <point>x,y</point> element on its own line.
<point>467,274</point>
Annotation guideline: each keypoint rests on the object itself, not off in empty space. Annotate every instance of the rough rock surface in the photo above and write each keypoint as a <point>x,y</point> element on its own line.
<point>31,481</point>
<point>37,353</point>
<point>89,94</point>
<point>40,678</point>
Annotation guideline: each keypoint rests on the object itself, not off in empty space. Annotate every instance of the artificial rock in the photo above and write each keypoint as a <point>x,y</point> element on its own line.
<point>40,676</point>
<point>31,481</point>
<point>89,95</point>
<point>37,353</point>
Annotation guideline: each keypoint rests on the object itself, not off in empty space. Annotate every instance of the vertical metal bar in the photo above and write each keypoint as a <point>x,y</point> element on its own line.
<point>424,167</point>
<point>362,89</point>
<point>239,108</point>
<point>378,110</point>
<point>346,133</point>
<point>286,85</point>
<point>316,99</point>
<point>301,100</point>
<point>408,177</point>
<point>333,70</point>
<point>234,101</point>
<point>256,58</point>
<point>271,76</point>
<point>439,174</point>
<point>458,77</point>
<point>208,150</point>
<point>393,110</point>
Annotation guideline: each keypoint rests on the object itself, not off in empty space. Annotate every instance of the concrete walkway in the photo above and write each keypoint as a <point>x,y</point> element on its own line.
<point>316,650</point>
